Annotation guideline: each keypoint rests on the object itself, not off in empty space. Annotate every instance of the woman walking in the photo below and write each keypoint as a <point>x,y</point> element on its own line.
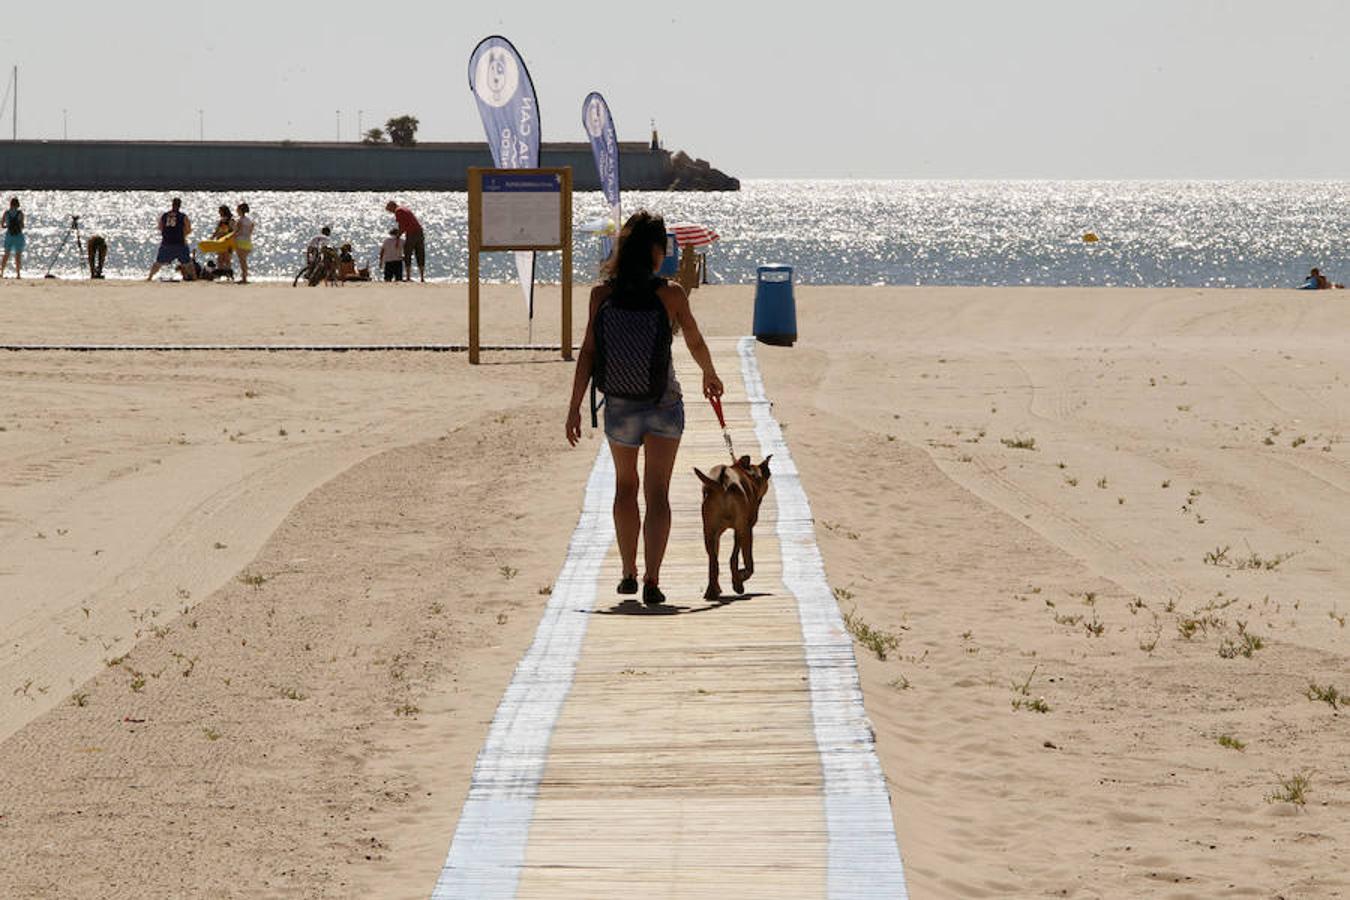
<point>633,317</point>
<point>11,223</point>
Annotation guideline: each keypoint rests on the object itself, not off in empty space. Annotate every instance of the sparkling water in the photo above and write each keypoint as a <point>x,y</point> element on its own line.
<point>1151,234</point>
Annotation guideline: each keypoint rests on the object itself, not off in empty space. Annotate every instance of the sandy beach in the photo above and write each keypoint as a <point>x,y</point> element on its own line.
<point>257,609</point>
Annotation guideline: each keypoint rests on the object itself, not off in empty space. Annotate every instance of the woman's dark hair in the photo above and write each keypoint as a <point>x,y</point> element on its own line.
<point>630,265</point>
<point>225,213</point>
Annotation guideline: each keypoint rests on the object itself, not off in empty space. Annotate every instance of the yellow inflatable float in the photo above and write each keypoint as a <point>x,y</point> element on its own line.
<point>217,245</point>
<point>1090,238</point>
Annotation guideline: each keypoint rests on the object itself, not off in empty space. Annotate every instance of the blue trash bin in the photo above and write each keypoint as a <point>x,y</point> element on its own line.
<point>670,266</point>
<point>775,306</point>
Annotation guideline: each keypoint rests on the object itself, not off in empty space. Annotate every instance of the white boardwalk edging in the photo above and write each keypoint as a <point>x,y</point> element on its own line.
<point>488,852</point>
<point>864,855</point>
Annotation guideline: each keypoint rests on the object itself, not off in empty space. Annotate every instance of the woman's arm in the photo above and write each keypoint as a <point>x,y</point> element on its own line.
<point>582,376</point>
<point>677,304</point>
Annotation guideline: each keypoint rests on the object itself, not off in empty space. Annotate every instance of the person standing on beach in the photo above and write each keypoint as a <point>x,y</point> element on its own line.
<point>174,228</point>
<point>98,255</point>
<point>653,426</point>
<point>15,240</point>
<point>414,240</point>
<point>243,240</point>
<point>391,256</point>
<point>224,229</point>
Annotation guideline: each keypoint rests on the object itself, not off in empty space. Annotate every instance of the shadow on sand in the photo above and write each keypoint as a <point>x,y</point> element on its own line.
<point>631,606</point>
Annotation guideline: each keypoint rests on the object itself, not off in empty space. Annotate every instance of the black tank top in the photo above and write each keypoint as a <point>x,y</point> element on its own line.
<point>174,228</point>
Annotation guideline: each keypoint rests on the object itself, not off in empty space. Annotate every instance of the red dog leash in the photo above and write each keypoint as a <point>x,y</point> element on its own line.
<point>722,420</point>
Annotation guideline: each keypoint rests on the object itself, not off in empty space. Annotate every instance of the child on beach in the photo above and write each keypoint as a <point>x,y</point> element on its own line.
<point>347,270</point>
<point>391,255</point>
<point>15,241</point>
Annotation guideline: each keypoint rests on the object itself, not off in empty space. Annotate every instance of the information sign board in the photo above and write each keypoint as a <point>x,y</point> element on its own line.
<point>522,211</point>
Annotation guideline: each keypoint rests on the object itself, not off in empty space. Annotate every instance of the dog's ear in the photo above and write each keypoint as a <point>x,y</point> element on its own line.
<point>764,466</point>
<point>710,482</point>
<point>743,462</point>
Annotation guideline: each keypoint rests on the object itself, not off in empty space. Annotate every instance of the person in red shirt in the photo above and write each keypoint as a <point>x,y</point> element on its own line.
<point>414,240</point>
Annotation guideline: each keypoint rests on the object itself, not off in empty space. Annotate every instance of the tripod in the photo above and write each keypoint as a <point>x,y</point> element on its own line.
<point>74,228</point>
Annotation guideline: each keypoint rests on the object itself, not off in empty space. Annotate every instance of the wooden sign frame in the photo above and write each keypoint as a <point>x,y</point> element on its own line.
<point>476,246</point>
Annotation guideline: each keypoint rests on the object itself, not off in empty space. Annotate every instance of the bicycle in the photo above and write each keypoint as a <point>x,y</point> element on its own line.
<point>319,266</point>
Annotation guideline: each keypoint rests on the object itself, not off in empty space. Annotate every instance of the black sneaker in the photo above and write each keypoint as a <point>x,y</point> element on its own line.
<point>652,596</point>
<point>628,585</point>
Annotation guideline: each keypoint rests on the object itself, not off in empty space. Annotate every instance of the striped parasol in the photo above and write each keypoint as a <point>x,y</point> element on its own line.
<point>696,237</point>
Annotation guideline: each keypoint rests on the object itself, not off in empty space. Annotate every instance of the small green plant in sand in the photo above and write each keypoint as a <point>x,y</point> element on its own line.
<point>842,594</point>
<point>1298,441</point>
<point>879,642</point>
<point>211,733</point>
<point>407,710</point>
<point>1022,698</point>
<point>1020,443</point>
<point>1327,694</point>
<point>137,682</point>
<point>1218,556</point>
<point>290,693</point>
<point>1071,481</point>
<point>899,683</point>
<point>254,580</point>
<point>1102,482</point>
<point>79,698</point>
<point>1096,627</point>
<point>1292,789</point>
<point>1150,643</point>
<point>1248,645</point>
<point>1254,560</point>
<point>508,572</point>
<point>1167,483</point>
<point>1066,619</point>
<point>1232,743</point>
<point>546,591</point>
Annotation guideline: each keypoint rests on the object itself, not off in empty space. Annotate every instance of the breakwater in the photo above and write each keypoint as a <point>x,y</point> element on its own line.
<point>300,166</point>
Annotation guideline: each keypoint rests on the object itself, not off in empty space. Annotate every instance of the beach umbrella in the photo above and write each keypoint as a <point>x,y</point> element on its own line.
<point>696,237</point>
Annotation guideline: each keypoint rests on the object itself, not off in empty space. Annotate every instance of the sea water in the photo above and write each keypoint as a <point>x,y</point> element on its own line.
<point>1151,233</point>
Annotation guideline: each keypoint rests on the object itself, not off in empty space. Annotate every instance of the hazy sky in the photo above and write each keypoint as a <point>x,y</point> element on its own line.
<point>946,88</point>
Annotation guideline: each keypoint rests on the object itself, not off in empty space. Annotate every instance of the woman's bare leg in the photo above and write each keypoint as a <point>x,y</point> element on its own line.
<point>627,520</point>
<point>660,464</point>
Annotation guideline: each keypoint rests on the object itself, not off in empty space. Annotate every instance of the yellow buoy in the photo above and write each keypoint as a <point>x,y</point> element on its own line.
<point>1090,238</point>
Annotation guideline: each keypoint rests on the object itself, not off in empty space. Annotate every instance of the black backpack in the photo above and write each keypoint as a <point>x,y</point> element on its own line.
<point>632,344</point>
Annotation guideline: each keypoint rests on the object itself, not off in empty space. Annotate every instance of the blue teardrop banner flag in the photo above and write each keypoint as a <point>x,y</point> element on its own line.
<point>599,125</point>
<point>506,102</point>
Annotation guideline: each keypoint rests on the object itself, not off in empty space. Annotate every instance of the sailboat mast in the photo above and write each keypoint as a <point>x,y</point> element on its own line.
<point>15,134</point>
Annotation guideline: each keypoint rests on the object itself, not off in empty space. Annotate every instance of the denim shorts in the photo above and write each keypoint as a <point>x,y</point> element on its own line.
<point>173,253</point>
<point>15,243</point>
<point>628,422</point>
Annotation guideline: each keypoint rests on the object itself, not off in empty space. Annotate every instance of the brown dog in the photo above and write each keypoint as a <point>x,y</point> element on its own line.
<point>731,498</point>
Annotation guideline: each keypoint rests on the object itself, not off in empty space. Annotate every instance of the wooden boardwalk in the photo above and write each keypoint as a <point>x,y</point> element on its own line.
<point>694,750</point>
